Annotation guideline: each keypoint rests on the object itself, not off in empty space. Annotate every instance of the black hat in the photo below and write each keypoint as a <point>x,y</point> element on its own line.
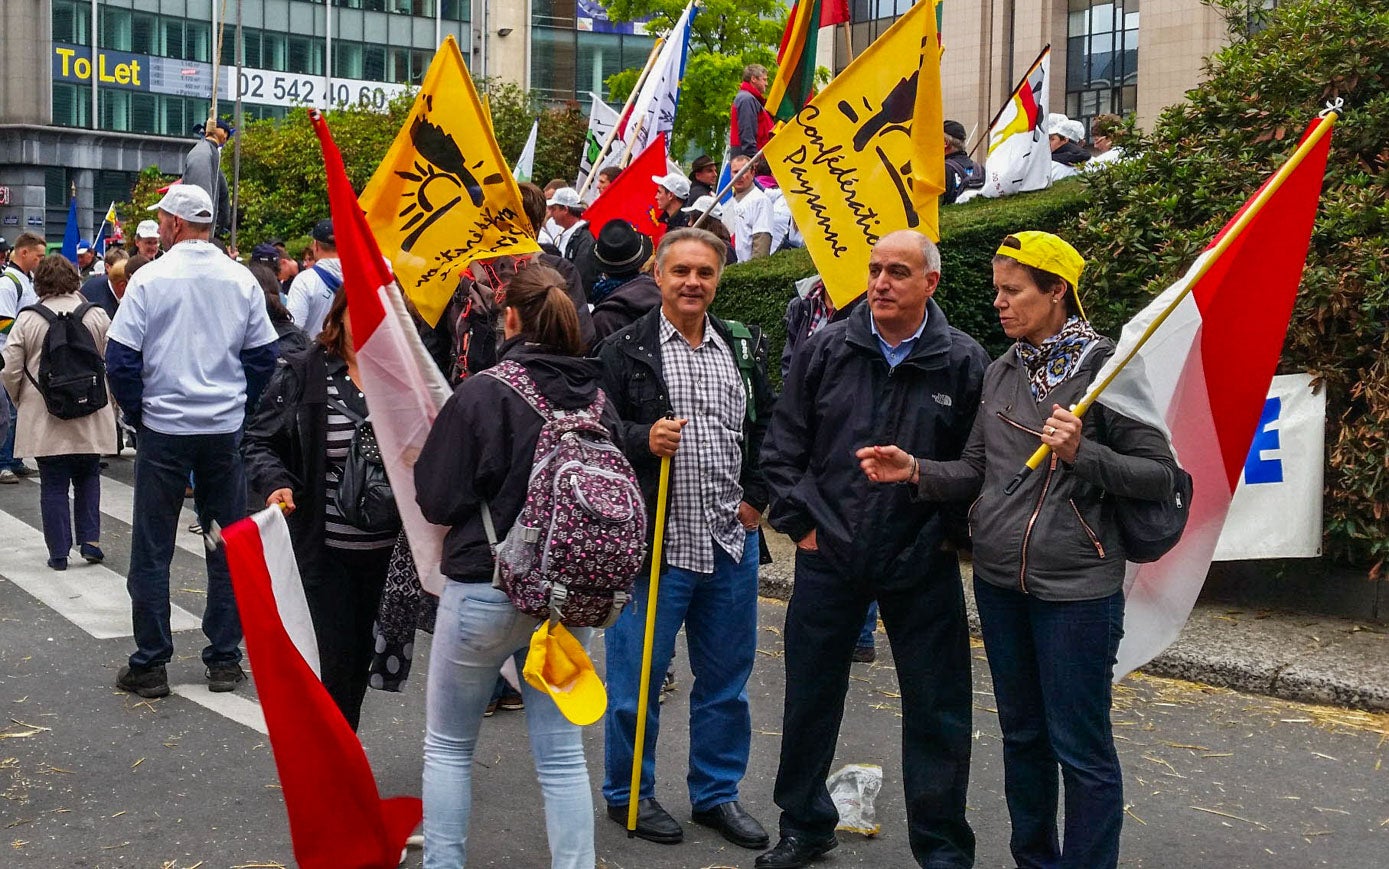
<point>265,253</point>
<point>703,161</point>
<point>620,248</point>
<point>955,130</point>
<point>323,232</point>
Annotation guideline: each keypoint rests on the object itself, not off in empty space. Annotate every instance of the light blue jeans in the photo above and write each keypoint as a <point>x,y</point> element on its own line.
<point>477,629</point>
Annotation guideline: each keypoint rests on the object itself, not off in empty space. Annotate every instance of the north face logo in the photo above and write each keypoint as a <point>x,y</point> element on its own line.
<point>943,400</point>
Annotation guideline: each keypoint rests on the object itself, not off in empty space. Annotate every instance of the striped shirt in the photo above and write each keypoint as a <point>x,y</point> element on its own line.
<point>337,533</point>
<point>706,389</point>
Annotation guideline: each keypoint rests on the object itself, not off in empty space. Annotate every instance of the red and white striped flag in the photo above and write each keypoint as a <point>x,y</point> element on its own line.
<point>404,389</point>
<point>337,819</point>
<point>1206,370</point>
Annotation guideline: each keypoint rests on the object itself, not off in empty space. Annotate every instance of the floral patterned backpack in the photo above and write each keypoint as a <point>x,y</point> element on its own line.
<point>575,550</point>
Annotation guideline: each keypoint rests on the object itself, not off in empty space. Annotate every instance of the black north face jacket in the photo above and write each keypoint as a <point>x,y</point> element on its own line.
<point>842,396</point>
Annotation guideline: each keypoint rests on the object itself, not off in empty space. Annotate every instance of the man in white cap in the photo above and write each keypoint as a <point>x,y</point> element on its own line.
<point>671,192</point>
<point>1067,155</point>
<point>752,215</point>
<point>575,242</point>
<point>311,294</point>
<point>147,239</point>
<point>86,259</point>
<point>190,348</point>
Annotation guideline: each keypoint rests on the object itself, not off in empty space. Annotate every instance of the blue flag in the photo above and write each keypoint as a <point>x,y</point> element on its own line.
<point>71,235</point>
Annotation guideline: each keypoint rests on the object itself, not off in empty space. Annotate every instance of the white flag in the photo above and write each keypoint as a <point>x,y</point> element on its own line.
<point>525,164</point>
<point>653,112</point>
<point>1019,154</point>
<point>601,120</point>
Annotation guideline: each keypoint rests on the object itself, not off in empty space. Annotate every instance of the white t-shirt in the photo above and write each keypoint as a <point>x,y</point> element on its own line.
<point>191,313</point>
<point>751,214</point>
<point>310,298</point>
<point>550,232</point>
<point>13,298</point>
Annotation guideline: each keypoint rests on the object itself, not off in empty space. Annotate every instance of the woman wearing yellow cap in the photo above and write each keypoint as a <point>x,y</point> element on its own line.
<point>1048,559</point>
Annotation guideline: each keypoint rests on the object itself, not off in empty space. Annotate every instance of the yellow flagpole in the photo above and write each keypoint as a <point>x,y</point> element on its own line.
<point>644,691</point>
<point>1202,266</point>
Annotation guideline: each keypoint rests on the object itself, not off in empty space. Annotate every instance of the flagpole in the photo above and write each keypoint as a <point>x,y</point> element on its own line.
<point>97,239</point>
<point>627,151</point>
<point>849,40</point>
<point>239,50</point>
<point>1199,269</point>
<point>999,113</point>
<point>747,167</point>
<point>631,98</point>
<point>648,640</point>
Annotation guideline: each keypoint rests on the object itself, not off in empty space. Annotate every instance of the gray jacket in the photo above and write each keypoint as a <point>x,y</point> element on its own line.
<point>203,167</point>
<point>1056,536</point>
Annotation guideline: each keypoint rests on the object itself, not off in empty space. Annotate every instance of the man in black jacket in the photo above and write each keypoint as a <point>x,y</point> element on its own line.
<point>684,388</point>
<point>893,368</point>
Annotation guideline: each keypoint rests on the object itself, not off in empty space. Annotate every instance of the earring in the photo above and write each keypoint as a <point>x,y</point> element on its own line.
<point>1055,300</point>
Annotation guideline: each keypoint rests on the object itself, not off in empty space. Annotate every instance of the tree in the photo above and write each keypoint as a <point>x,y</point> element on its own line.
<point>1149,216</point>
<point>727,35</point>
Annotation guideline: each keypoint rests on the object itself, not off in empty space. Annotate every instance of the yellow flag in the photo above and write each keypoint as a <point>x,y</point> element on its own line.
<point>444,195</point>
<point>846,162</point>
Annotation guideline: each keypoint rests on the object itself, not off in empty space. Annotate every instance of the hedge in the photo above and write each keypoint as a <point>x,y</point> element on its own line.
<point>757,292</point>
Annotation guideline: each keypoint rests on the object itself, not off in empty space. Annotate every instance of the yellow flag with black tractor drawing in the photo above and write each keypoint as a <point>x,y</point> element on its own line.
<point>444,195</point>
<point>866,156</point>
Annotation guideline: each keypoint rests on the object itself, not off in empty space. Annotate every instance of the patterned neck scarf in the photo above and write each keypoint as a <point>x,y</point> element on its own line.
<point>1058,358</point>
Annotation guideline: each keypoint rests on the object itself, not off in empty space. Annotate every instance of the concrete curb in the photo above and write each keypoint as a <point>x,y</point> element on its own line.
<point>1291,656</point>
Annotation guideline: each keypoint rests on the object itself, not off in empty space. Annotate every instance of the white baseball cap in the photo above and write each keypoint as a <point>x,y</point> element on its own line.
<point>147,229</point>
<point>565,196</point>
<point>1073,130</point>
<point>187,201</point>
<point>678,185</point>
<point>706,203</point>
<point>1052,125</point>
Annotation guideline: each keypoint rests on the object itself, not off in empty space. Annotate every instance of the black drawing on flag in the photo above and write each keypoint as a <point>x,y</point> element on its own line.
<point>441,178</point>
<point>893,116</point>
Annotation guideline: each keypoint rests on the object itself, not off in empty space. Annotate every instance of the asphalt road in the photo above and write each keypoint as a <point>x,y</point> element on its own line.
<point>93,777</point>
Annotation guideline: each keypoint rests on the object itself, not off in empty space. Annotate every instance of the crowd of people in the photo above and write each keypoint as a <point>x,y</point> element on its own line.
<point>884,455</point>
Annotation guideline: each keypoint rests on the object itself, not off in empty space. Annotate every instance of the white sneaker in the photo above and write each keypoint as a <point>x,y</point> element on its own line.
<point>8,477</point>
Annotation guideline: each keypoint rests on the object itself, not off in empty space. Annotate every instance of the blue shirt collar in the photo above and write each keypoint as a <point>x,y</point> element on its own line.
<point>896,355</point>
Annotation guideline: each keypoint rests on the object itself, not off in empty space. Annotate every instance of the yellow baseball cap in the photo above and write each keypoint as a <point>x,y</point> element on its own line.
<point>558,666</point>
<point>1050,253</point>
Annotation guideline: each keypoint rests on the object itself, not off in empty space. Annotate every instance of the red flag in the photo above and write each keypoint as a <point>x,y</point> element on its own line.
<point>404,390</point>
<point>834,12</point>
<point>1203,374</point>
<point>337,819</point>
<point>632,197</point>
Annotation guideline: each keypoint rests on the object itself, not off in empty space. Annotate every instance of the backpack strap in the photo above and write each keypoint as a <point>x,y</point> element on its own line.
<point>491,529</point>
<point>514,375</point>
<point>744,346</point>
<point>332,281</point>
<point>356,418</point>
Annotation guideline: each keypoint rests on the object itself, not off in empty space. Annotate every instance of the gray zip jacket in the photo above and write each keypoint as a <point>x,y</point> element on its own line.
<point>1056,536</point>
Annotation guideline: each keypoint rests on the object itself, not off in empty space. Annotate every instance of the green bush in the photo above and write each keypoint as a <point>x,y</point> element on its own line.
<point>1149,217</point>
<point>757,292</point>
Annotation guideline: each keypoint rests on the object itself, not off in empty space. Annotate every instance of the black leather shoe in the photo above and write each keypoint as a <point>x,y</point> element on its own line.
<point>734,824</point>
<point>654,824</point>
<point>793,852</point>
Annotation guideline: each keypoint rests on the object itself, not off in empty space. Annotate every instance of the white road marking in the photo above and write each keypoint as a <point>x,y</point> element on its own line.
<point>229,704</point>
<point>88,595</point>
<point>118,502</point>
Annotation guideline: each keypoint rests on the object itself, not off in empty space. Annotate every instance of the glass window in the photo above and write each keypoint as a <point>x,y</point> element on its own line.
<point>170,43</point>
<point>144,28</point>
<point>274,51</point>
<point>72,22</point>
<point>115,28</point>
<point>553,57</point>
<point>1101,58</point>
<point>374,62</point>
<point>72,104</point>
<point>115,109</point>
<point>347,59</point>
<point>197,44</point>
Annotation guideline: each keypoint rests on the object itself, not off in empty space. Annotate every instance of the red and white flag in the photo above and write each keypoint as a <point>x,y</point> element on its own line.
<point>337,819</point>
<point>632,197</point>
<point>404,389</point>
<point>1204,373</point>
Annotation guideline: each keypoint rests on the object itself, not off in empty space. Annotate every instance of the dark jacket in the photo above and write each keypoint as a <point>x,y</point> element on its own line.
<point>1070,154</point>
<point>961,174</point>
<point>481,449</point>
<point>1055,537</point>
<point>285,447</point>
<point>292,338</point>
<point>625,305</point>
<point>797,322</point>
<point>578,249</point>
<point>697,189</point>
<point>633,379</point>
<point>842,396</point>
<point>97,290</point>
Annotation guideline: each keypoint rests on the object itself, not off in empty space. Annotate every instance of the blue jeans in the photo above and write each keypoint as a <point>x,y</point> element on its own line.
<point>477,629</point>
<point>162,466</point>
<point>7,459</point>
<point>870,626</point>
<point>719,612</point>
<point>81,472</point>
<point>1052,663</point>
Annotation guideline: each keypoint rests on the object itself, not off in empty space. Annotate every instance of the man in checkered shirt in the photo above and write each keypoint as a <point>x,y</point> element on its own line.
<point>674,378</point>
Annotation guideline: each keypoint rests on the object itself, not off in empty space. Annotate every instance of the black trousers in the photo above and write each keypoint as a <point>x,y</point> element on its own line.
<point>343,607</point>
<point>929,635</point>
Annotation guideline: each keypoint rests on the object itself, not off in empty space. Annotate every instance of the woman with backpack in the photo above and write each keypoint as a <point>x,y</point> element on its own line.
<point>1049,559</point>
<point>306,444</point>
<point>477,462</point>
<point>55,374</point>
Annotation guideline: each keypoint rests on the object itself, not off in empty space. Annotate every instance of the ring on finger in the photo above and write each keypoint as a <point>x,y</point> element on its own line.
<point>1049,430</point>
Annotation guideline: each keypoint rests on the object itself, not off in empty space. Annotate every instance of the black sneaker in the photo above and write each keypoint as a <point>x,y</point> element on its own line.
<point>864,655</point>
<point>145,681</point>
<point>224,677</point>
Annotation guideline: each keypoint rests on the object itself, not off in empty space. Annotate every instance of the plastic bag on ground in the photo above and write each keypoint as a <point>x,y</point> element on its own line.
<point>854,787</point>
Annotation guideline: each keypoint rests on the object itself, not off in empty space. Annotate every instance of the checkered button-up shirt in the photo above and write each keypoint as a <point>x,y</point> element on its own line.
<point>705,388</point>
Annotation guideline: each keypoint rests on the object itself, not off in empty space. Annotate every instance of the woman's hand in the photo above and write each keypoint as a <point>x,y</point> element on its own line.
<point>283,498</point>
<point>1062,433</point>
<point>886,464</point>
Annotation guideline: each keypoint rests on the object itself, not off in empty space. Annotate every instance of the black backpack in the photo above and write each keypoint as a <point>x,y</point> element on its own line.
<point>72,373</point>
<point>364,498</point>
